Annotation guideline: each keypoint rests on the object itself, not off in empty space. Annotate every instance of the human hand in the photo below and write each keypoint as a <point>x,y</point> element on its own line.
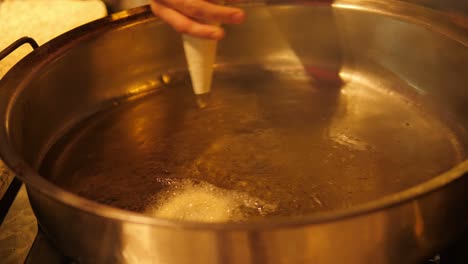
<point>194,17</point>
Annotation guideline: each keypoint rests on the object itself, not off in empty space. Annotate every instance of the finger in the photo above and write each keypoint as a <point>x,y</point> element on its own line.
<point>185,25</point>
<point>206,11</point>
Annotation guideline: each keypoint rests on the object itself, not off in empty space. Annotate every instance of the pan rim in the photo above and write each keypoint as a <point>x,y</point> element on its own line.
<point>34,182</point>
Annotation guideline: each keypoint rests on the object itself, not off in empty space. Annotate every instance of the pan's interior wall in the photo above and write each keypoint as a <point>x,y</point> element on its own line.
<point>339,49</point>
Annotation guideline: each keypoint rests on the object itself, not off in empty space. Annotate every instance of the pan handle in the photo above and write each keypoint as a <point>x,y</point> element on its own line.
<point>18,44</point>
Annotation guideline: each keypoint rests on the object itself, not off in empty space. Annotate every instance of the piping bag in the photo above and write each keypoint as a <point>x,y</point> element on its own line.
<point>200,54</point>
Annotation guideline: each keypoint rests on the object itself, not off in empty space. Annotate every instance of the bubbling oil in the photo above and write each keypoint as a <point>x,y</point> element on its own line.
<point>195,200</point>
<point>268,144</point>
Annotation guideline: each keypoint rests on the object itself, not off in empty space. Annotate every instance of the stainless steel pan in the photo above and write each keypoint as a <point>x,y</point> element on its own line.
<point>346,122</point>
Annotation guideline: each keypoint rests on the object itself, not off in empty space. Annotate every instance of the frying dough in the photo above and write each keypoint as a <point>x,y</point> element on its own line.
<point>189,200</point>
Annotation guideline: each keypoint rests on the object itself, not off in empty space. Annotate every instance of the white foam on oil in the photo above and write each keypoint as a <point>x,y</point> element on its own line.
<point>185,199</point>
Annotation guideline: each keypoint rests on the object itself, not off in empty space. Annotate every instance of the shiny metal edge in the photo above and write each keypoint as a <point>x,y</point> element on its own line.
<point>453,28</point>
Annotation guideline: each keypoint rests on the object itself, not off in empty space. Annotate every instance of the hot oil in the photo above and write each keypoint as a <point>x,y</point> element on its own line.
<point>269,143</point>
<point>187,199</point>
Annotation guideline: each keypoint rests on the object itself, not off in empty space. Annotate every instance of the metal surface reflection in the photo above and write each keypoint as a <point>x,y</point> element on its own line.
<point>328,141</point>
